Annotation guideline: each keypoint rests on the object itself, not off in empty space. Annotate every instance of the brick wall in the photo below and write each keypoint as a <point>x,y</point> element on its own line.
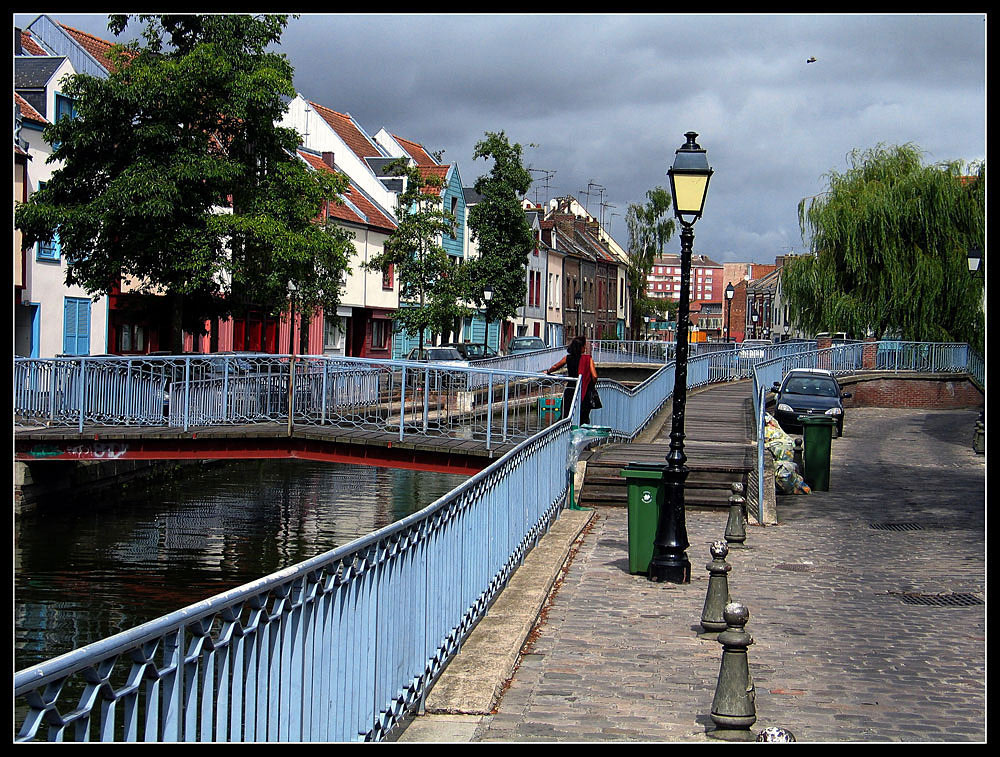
<point>948,393</point>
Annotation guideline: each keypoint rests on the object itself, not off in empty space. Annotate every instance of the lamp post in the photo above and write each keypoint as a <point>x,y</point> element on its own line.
<point>645,318</point>
<point>753,318</point>
<point>578,301</point>
<point>785,330</point>
<point>689,177</point>
<point>730,293</point>
<point>487,297</point>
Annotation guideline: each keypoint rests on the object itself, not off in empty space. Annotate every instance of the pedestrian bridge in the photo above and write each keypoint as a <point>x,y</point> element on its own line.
<point>342,646</point>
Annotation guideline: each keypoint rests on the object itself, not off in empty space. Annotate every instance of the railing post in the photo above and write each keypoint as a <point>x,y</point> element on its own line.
<point>427,392</point>
<point>291,392</point>
<point>52,391</point>
<point>83,383</point>
<point>187,390</point>
<point>402,403</point>
<point>225,389</point>
<point>506,395</point>
<point>322,414</point>
<point>489,414</point>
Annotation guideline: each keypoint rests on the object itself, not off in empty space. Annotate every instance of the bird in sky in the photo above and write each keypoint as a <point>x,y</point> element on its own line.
<point>811,60</point>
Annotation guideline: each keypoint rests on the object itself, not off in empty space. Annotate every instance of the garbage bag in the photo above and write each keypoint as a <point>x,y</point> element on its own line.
<point>581,438</point>
<point>778,443</point>
<point>788,480</point>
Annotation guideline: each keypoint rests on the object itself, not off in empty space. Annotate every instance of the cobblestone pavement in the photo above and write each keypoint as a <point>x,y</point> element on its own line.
<point>838,655</point>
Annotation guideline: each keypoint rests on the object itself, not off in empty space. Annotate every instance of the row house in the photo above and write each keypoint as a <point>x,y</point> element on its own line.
<point>50,318</point>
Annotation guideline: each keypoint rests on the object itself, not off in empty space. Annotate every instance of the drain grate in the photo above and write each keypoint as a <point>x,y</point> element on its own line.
<point>798,567</point>
<point>896,526</point>
<point>939,600</point>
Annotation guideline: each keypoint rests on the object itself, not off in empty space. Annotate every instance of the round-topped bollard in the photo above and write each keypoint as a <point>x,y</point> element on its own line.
<point>776,735</point>
<point>712,620</point>
<point>736,532</point>
<point>734,709</point>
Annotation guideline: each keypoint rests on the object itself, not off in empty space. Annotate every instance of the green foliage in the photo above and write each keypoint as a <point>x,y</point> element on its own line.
<point>500,228</point>
<point>889,240</point>
<point>431,285</point>
<point>182,132</point>
<point>650,227</point>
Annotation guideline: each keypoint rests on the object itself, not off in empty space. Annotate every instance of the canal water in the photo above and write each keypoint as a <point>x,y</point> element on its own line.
<point>87,570</point>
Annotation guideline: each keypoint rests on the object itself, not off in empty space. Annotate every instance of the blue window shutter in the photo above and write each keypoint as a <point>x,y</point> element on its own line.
<point>76,326</point>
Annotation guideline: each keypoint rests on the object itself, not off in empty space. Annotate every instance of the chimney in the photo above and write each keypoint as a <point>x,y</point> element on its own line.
<point>328,158</point>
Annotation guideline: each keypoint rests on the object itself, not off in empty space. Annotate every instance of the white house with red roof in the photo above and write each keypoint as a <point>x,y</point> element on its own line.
<point>50,318</point>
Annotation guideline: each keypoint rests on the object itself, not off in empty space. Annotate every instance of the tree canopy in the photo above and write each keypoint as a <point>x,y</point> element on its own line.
<point>174,175</point>
<point>889,242</point>
<point>500,228</point>
<point>650,227</point>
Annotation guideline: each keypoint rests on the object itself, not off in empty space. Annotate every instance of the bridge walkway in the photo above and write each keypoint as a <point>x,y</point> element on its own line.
<point>718,427</point>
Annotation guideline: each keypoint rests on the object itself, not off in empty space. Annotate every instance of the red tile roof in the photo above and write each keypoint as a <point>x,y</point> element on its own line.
<point>96,46</point>
<point>27,111</point>
<point>29,46</point>
<point>373,216</point>
<point>416,151</point>
<point>439,171</point>
<point>348,131</point>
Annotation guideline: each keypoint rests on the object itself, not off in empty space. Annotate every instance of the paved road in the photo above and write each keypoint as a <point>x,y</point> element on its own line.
<point>838,654</point>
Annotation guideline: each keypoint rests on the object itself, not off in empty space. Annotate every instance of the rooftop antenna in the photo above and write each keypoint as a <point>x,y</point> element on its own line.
<point>548,175</point>
<point>596,186</point>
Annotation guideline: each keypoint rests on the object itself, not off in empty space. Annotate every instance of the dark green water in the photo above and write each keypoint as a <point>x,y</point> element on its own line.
<point>91,569</point>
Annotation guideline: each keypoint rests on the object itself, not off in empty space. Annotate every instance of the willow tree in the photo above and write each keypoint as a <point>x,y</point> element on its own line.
<point>889,242</point>
<point>650,227</point>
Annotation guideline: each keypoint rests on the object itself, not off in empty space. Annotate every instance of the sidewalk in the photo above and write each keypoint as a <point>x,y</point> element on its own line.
<point>838,655</point>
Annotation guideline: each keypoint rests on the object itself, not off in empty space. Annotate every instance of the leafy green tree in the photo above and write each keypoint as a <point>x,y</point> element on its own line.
<point>431,284</point>
<point>889,241</point>
<point>175,177</point>
<point>650,227</point>
<point>499,226</point>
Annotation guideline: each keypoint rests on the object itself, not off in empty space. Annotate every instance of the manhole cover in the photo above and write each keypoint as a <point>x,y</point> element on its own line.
<point>896,526</point>
<point>939,600</point>
<point>794,566</point>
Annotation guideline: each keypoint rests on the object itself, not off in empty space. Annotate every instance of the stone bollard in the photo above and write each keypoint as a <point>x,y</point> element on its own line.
<point>733,709</point>
<point>712,619</point>
<point>736,532</point>
<point>797,455</point>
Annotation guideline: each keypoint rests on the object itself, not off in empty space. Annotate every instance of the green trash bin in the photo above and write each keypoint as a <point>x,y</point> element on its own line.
<point>817,434</point>
<point>645,494</point>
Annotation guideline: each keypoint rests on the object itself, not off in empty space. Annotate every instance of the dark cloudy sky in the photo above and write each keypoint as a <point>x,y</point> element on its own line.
<point>606,99</point>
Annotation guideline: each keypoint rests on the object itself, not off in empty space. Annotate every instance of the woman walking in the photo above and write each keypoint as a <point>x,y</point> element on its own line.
<point>579,365</point>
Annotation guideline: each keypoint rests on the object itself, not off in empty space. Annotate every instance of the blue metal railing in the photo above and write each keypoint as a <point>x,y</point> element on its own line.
<point>855,357</point>
<point>336,648</point>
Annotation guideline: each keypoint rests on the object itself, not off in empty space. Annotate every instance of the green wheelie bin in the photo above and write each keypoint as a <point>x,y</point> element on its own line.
<point>817,436</point>
<point>645,495</point>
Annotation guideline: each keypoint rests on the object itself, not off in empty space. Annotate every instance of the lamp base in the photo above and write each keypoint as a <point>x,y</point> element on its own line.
<point>676,571</point>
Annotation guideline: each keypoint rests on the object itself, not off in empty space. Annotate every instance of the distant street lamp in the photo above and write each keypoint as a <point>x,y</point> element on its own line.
<point>578,301</point>
<point>753,318</point>
<point>689,177</point>
<point>488,296</point>
<point>646,319</point>
<point>730,293</point>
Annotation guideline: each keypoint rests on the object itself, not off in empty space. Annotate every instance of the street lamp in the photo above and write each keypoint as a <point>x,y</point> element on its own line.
<point>578,301</point>
<point>730,293</point>
<point>753,317</point>
<point>488,296</point>
<point>689,177</point>
<point>975,258</point>
<point>646,319</point>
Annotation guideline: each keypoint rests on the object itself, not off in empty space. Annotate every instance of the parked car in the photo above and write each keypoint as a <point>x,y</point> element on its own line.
<point>474,350</point>
<point>525,344</point>
<point>808,391</point>
<point>439,355</point>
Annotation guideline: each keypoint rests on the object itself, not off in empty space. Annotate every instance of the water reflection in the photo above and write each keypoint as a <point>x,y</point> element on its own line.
<point>91,569</point>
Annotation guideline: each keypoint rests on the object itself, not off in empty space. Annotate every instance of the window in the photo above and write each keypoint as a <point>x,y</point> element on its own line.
<point>48,250</point>
<point>131,338</point>
<point>65,106</point>
<point>332,334</point>
<point>387,277</point>
<point>76,326</point>
<point>380,334</point>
